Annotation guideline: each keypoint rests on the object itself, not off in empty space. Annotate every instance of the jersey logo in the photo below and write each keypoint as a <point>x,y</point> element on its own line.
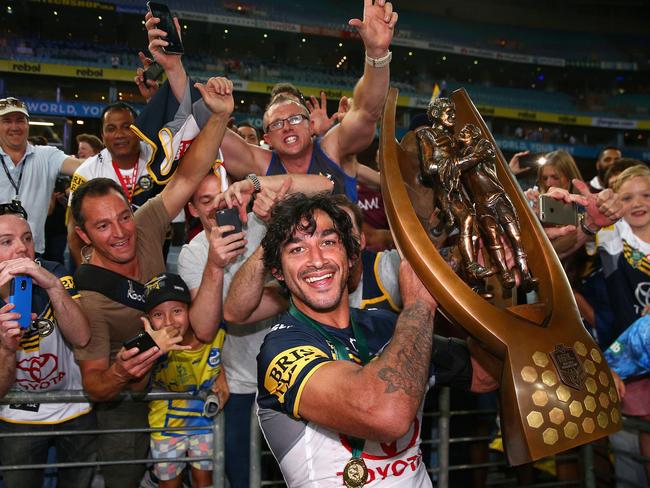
<point>214,358</point>
<point>285,368</point>
<point>68,282</point>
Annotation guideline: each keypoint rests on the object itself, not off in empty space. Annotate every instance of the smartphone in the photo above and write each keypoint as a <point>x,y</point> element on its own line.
<point>229,216</point>
<point>21,296</point>
<point>142,341</point>
<point>161,11</point>
<point>557,212</point>
<point>154,72</point>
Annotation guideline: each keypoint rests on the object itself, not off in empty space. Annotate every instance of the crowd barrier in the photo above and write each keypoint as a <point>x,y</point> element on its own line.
<point>591,476</point>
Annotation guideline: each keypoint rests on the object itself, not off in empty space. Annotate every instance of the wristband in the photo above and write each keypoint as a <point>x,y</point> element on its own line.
<point>586,229</point>
<point>379,62</point>
<point>257,186</point>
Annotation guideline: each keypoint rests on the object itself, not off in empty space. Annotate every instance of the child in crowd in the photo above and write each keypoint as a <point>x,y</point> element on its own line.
<point>196,369</point>
<point>625,256</point>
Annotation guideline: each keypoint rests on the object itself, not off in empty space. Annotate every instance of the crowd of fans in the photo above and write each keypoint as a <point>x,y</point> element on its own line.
<point>125,322</point>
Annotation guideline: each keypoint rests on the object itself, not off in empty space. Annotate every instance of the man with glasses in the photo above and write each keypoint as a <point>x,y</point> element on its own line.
<point>287,125</point>
<point>38,359</point>
<point>28,172</point>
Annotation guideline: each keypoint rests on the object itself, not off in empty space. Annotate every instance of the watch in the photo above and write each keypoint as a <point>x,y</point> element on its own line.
<point>257,186</point>
<point>379,62</point>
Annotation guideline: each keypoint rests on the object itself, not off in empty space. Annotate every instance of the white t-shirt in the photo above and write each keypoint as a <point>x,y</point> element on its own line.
<point>242,341</point>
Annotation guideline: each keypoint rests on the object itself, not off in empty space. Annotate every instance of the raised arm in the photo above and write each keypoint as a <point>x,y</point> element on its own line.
<point>357,129</point>
<point>70,165</point>
<point>171,63</point>
<point>379,400</point>
<point>206,307</point>
<point>217,94</point>
<point>248,299</point>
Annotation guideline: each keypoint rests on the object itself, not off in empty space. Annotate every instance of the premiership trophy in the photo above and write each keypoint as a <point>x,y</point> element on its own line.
<point>557,391</point>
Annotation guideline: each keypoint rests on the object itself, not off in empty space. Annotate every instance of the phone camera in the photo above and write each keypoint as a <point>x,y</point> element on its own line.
<point>23,285</point>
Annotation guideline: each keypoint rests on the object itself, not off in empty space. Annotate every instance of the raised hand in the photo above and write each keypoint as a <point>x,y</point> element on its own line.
<point>10,331</point>
<point>146,88</point>
<point>26,266</point>
<point>515,164</point>
<point>167,338</point>
<point>217,95</point>
<point>267,198</point>
<point>224,250</point>
<point>156,43</point>
<point>376,28</point>
<point>320,121</point>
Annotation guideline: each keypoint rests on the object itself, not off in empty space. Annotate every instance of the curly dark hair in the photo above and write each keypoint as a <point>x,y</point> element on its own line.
<point>296,212</point>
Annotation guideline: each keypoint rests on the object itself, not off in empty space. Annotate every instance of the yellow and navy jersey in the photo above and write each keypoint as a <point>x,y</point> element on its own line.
<point>184,371</point>
<point>291,353</point>
<point>625,260</point>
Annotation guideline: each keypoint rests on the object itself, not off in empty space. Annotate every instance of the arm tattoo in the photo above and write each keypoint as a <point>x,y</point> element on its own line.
<point>406,359</point>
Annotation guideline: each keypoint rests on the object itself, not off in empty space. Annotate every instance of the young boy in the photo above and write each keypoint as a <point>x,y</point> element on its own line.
<point>195,369</point>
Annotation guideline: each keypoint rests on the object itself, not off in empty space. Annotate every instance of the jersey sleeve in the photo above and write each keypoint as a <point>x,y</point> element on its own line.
<point>287,360</point>
<point>629,355</point>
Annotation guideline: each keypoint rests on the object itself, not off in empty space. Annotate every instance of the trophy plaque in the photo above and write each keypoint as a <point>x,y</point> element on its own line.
<point>557,391</point>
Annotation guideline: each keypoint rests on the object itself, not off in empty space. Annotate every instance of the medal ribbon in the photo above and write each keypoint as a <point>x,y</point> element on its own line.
<point>342,353</point>
<point>11,180</point>
<point>125,187</point>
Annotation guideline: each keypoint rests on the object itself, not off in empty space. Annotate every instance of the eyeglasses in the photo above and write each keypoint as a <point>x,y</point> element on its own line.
<point>13,208</point>
<point>11,102</point>
<point>279,124</point>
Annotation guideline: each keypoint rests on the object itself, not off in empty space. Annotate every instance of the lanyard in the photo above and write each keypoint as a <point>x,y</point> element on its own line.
<point>342,353</point>
<point>125,187</point>
<point>11,180</point>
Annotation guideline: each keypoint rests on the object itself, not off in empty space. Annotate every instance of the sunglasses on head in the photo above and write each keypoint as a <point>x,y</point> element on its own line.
<point>11,102</point>
<point>13,208</point>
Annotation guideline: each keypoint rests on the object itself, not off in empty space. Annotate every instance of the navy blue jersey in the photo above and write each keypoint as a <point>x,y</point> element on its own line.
<point>321,164</point>
<point>293,350</point>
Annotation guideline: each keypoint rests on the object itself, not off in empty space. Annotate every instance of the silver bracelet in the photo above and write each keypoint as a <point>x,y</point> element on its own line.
<point>379,62</point>
<point>586,229</point>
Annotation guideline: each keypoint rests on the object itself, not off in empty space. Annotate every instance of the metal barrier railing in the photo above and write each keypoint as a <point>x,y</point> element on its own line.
<point>72,396</point>
<point>585,455</point>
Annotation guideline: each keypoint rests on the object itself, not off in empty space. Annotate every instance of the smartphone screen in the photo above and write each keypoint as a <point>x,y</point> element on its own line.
<point>229,216</point>
<point>161,11</point>
<point>21,296</point>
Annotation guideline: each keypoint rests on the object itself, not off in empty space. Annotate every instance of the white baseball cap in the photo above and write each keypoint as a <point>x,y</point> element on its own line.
<point>10,104</point>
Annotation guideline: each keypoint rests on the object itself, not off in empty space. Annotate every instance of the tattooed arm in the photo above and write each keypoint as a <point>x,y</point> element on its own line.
<point>379,400</point>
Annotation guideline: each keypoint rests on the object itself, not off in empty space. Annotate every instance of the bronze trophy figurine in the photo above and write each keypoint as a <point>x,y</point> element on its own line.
<point>557,391</point>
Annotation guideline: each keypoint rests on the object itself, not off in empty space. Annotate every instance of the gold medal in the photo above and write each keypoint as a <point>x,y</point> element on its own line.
<point>355,473</point>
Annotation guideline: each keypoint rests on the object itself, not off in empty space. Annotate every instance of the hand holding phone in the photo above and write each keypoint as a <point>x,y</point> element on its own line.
<point>557,212</point>
<point>21,296</point>
<point>161,11</point>
<point>229,216</point>
<point>142,341</point>
<point>153,72</point>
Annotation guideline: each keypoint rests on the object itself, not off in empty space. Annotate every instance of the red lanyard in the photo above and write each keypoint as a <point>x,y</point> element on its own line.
<point>128,192</point>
